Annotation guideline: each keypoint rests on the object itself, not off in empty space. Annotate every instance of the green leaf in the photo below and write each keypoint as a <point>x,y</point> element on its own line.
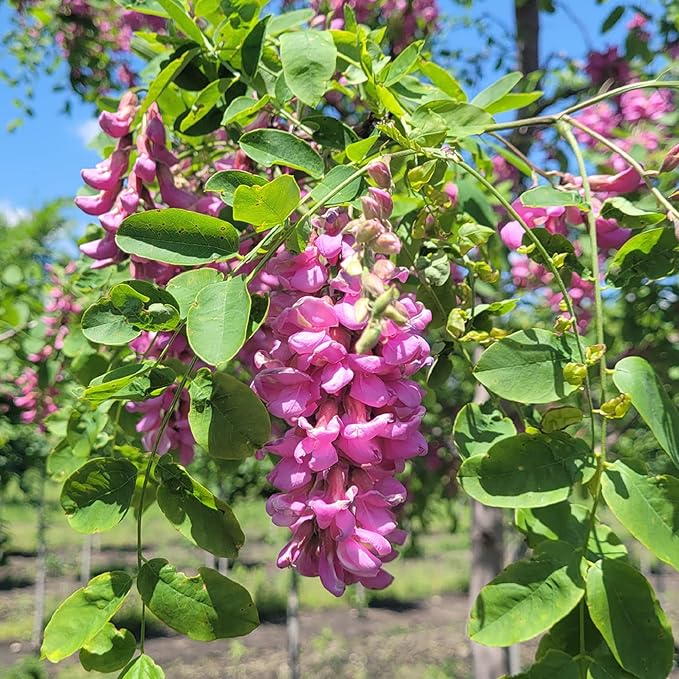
<point>226,417</point>
<point>475,431</point>
<point>308,58</point>
<point>606,668</point>
<point>166,76</point>
<point>243,110</point>
<point>635,376</point>
<point>288,20</point>
<point>527,366</point>
<point>268,205</point>
<point>359,150</point>
<point>145,306</point>
<point>625,610</point>
<point>109,650</point>
<point>185,286</point>
<point>103,323</point>
<point>328,192</point>
<point>559,418</point>
<point>175,236</point>
<point>196,513</point>
<point>275,147</point>
<point>96,496</point>
<point>80,617</point>
<point>403,64</point>
<point>496,90</point>
<point>226,182</point>
<point>548,196</point>
<point>528,597</point>
<point>651,254</point>
<point>251,51</point>
<point>204,102</point>
<point>204,607</point>
<point>570,523</point>
<point>330,132</point>
<point>513,101</point>
<point>443,80</point>
<point>258,312</point>
<point>614,16</point>
<point>553,665</point>
<point>646,506</point>
<point>527,470</point>
<point>217,322</point>
<point>142,667</point>
<point>130,382</point>
<point>185,23</point>
<point>628,214</point>
<point>462,120</point>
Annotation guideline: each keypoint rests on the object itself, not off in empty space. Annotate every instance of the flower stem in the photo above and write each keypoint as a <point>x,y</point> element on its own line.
<point>147,476</point>
<point>548,263</point>
<point>630,160</point>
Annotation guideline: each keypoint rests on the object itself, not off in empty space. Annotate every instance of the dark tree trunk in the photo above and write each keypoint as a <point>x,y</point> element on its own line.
<point>487,561</point>
<point>527,17</point>
<point>41,567</point>
<point>527,14</point>
<point>292,623</point>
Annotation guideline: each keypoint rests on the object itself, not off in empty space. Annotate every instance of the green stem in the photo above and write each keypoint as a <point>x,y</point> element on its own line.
<point>552,119</point>
<point>546,258</point>
<point>629,160</point>
<point>147,477</point>
<point>285,231</point>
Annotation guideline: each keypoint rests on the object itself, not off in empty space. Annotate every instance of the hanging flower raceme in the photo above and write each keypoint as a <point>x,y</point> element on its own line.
<point>177,435</point>
<point>150,184</point>
<point>338,353</point>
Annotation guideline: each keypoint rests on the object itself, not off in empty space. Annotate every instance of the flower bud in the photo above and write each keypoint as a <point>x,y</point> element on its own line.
<point>369,338</point>
<point>353,266</point>
<point>387,244</point>
<point>372,284</point>
<point>452,192</point>
<point>616,408</point>
<point>383,301</point>
<point>563,323</point>
<point>393,314</point>
<point>367,230</point>
<point>671,159</point>
<point>595,353</point>
<point>575,373</point>
<point>380,173</point>
<point>378,204</point>
<point>456,323</point>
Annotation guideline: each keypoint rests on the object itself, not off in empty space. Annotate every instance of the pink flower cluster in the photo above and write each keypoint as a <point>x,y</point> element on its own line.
<point>354,417</point>
<point>35,403</point>
<point>121,191</point>
<point>177,435</point>
<point>558,220</point>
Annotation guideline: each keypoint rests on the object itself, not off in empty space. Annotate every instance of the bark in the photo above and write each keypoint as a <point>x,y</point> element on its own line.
<point>487,560</point>
<point>487,555</point>
<point>41,568</point>
<point>527,17</point>
<point>292,623</point>
<point>86,560</point>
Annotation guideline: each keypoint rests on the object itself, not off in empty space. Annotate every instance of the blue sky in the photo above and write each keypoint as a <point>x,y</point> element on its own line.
<point>42,159</point>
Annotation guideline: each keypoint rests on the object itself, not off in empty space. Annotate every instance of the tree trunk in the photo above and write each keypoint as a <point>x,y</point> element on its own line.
<point>86,560</point>
<point>292,623</point>
<point>487,556</point>
<point>487,560</point>
<point>527,17</point>
<point>41,567</point>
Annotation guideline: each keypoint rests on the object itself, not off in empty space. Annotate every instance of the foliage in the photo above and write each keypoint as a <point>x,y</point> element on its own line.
<point>283,244</point>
